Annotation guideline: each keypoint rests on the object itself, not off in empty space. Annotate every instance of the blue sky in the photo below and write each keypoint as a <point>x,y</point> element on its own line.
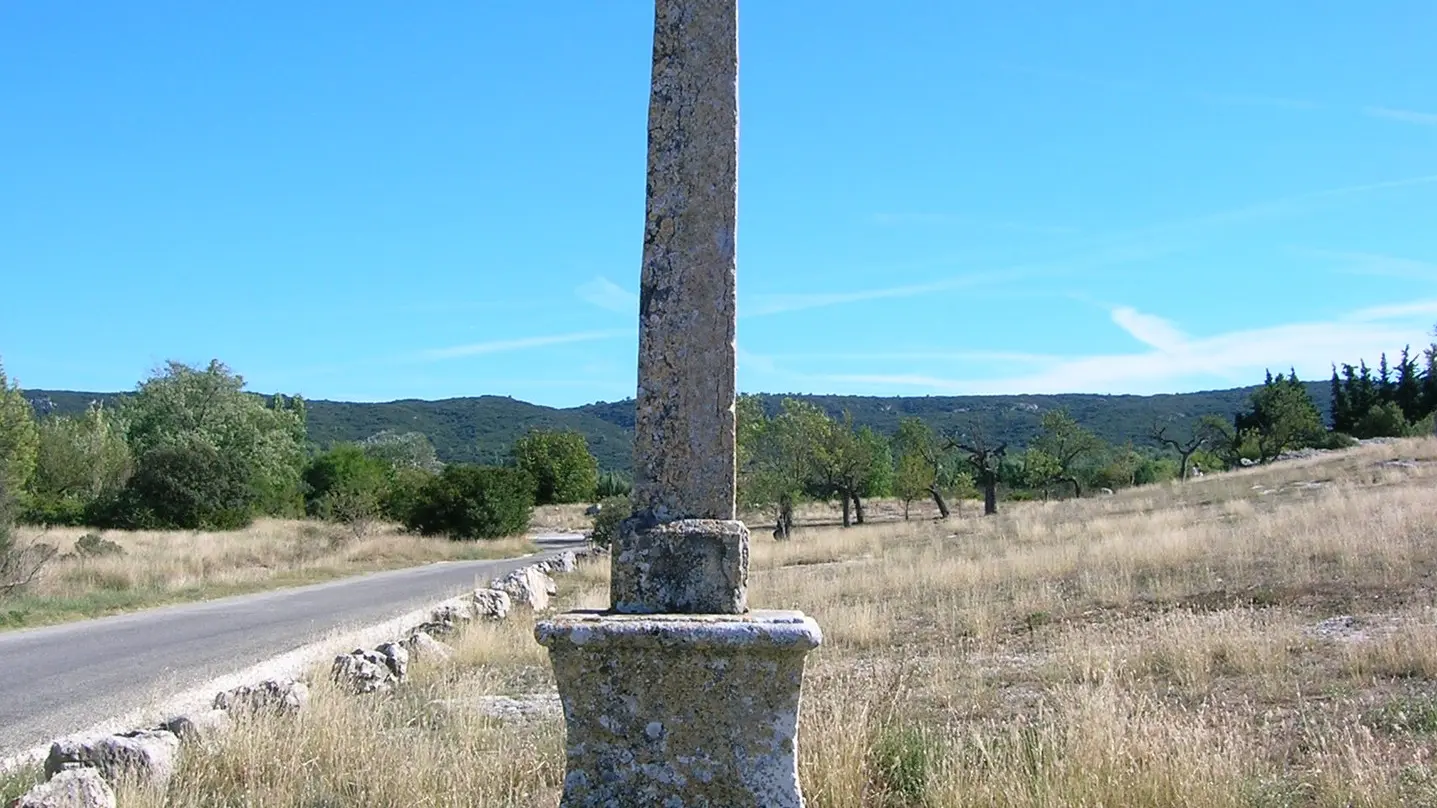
<point>369,202</point>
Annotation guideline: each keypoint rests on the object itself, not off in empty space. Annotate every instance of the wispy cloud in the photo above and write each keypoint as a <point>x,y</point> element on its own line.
<point>765,304</point>
<point>520,344</point>
<point>606,294</point>
<point>1404,115</point>
<point>1251,100</point>
<point>1378,264</point>
<point>1184,362</point>
<point>965,220</point>
<point>1007,357</point>
<point>1395,311</point>
<point>1149,329</point>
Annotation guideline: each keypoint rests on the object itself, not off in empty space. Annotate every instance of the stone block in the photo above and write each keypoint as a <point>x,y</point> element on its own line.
<point>690,566</point>
<point>684,710</point>
<point>71,788</point>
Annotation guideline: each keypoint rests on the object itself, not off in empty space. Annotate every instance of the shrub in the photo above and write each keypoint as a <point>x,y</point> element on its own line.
<point>52,511</point>
<point>1381,421</point>
<point>612,511</point>
<point>93,545</point>
<point>474,502</point>
<point>20,561</point>
<point>402,495</point>
<point>1337,440</point>
<point>560,465</point>
<point>346,485</point>
<point>613,484</point>
<point>183,487</point>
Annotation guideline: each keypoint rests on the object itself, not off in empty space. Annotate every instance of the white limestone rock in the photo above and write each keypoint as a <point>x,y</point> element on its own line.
<point>491,604</point>
<point>143,756</point>
<point>71,788</point>
<point>278,696</point>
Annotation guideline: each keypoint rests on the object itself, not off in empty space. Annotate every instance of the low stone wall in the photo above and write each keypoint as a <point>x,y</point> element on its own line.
<point>81,770</point>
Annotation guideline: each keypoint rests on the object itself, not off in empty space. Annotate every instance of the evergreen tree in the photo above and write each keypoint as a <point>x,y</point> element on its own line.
<point>1428,394</point>
<point>1386,390</point>
<point>1282,417</point>
<point>1341,414</point>
<point>1408,392</point>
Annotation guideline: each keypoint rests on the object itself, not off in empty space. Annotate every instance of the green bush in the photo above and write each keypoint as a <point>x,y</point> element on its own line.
<point>613,484</point>
<point>52,511</point>
<point>402,496</point>
<point>1337,440</point>
<point>345,484</point>
<point>1381,421</point>
<point>93,545</point>
<point>560,465</point>
<point>612,511</point>
<point>474,502</point>
<point>182,487</point>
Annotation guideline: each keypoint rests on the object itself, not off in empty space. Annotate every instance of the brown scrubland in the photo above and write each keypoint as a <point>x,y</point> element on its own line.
<point>159,567</point>
<point>1265,637</point>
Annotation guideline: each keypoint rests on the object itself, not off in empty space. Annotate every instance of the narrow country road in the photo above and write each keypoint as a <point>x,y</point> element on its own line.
<point>62,679</point>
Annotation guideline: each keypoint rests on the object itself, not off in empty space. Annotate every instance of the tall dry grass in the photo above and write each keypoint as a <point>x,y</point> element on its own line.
<point>158,567</point>
<point>1168,646</point>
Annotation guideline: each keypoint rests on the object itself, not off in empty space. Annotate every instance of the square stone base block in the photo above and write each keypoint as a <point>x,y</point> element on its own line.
<point>688,566</point>
<point>686,711</point>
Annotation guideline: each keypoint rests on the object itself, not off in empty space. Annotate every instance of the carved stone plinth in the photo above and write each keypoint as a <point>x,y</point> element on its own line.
<point>687,711</point>
<point>689,566</point>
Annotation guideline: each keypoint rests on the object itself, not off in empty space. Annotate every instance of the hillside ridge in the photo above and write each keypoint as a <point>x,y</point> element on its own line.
<point>480,429</point>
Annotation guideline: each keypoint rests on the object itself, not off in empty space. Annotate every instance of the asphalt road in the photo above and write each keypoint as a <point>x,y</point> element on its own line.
<point>62,679</point>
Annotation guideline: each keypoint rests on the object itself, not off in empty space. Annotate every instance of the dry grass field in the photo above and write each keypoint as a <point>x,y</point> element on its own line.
<point>159,567</point>
<point>1264,638</point>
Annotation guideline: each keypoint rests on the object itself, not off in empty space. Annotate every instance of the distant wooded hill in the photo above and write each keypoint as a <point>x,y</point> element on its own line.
<point>481,430</point>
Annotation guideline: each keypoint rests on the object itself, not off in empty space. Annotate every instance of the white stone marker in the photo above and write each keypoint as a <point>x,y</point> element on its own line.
<point>679,695</point>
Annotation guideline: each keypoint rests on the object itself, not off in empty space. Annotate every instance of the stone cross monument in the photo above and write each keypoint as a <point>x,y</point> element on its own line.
<point>679,695</point>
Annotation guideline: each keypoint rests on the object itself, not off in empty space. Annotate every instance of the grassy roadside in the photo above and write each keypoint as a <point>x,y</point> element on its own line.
<point>164,567</point>
<point>1263,639</point>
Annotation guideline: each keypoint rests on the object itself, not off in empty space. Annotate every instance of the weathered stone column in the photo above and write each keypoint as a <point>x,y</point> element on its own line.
<point>679,695</point>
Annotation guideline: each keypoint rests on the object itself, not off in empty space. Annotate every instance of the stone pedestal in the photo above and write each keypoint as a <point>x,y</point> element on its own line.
<point>688,566</point>
<point>686,711</point>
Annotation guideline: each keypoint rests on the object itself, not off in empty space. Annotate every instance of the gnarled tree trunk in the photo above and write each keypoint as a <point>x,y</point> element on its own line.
<point>858,509</point>
<point>939,501</point>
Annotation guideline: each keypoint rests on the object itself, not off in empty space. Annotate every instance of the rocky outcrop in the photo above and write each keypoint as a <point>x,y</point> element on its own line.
<point>278,696</point>
<point>71,788</point>
<point>362,671</point>
<point>567,561</point>
<point>144,756</point>
<point>491,604</point>
<point>528,586</point>
<point>422,647</point>
<point>198,727</point>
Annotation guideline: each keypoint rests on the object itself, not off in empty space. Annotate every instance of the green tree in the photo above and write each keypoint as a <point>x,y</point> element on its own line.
<point>347,484</point>
<point>474,502</point>
<point>916,445</point>
<point>1281,416</point>
<point>560,464</point>
<point>851,464</point>
<point>913,478</point>
<point>402,450</point>
<point>80,460</point>
<point>985,458</point>
<point>19,437</point>
<point>1382,421</point>
<point>1188,440</point>
<point>778,458</point>
<point>187,407</point>
<point>182,486</point>
<point>1067,444</point>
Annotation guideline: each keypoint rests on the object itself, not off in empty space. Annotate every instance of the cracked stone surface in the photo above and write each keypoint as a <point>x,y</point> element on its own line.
<point>680,710</point>
<point>690,566</point>
<point>684,417</point>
